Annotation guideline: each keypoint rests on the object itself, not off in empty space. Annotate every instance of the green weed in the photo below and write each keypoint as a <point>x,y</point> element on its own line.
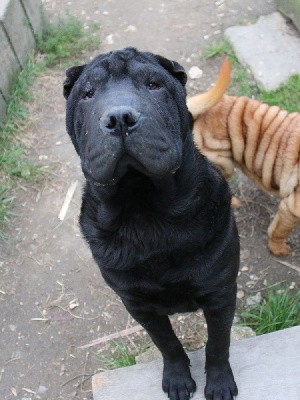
<point>218,48</point>
<point>12,158</point>
<point>20,95</point>
<point>122,357</point>
<point>65,39</point>
<point>13,162</point>
<point>280,309</point>
<point>5,202</point>
<point>286,97</point>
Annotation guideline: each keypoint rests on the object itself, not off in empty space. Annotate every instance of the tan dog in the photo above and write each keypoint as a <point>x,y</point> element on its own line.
<point>262,140</point>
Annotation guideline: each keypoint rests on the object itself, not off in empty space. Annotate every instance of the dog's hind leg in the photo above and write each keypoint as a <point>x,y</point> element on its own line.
<point>177,381</point>
<point>286,219</point>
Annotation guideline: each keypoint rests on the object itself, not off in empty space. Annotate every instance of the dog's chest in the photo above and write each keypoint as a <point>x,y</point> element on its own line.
<point>164,282</point>
<point>160,284</point>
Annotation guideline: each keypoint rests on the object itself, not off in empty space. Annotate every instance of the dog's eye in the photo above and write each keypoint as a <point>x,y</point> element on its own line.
<point>153,86</point>
<point>89,92</point>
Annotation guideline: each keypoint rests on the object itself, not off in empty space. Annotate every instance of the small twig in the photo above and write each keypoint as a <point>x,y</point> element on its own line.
<point>60,297</point>
<point>127,327</point>
<point>80,258</point>
<point>28,391</point>
<point>261,205</point>
<point>83,381</point>
<point>12,359</point>
<point>68,198</point>
<point>242,193</point>
<point>35,260</point>
<point>263,274</point>
<point>77,377</point>
<point>268,287</point>
<point>40,319</point>
<point>112,336</point>
<point>264,271</point>
<point>288,265</point>
<point>84,369</point>
<point>73,315</point>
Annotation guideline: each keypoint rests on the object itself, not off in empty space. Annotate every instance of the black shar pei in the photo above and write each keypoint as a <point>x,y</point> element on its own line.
<point>155,213</point>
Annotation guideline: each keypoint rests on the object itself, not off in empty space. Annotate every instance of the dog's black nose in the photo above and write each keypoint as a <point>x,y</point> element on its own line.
<point>120,120</point>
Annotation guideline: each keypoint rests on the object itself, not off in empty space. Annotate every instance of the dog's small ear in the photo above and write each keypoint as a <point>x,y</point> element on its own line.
<point>72,74</point>
<point>174,68</point>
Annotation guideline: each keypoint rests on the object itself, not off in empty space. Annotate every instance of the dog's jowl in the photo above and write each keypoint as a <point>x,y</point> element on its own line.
<point>155,212</point>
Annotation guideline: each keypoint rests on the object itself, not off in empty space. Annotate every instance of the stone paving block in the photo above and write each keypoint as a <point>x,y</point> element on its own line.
<point>15,23</point>
<point>2,108</point>
<point>34,12</point>
<point>290,8</point>
<point>266,367</point>
<point>270,48</point>
<point>9,63</point>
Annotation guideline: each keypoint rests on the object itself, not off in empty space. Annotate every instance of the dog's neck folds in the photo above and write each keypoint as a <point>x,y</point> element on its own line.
<point>170,195</point>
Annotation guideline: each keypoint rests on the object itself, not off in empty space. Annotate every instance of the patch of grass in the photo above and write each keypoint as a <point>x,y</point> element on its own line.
<point>279,310</point>
<point>12,160</point>
<point>65,39</point>
<point>58,42</point>
<point>286,97</point>
<point>218,48</point>
<point>16,165</point>
<point>5,201</point>
<point>122,357</point>
<point>20,95</point>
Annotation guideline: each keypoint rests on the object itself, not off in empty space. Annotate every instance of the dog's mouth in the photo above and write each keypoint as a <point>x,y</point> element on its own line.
<point>125,163</point>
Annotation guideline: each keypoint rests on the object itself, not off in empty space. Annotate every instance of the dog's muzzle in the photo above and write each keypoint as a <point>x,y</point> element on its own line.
<point>120,120</point>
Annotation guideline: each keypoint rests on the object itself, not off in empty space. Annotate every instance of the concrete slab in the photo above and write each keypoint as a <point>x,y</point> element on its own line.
<point>290,8</point>
<point>270,48</point>
<point>9,63</point>
<point>265,367</point>
<point>14,22</point>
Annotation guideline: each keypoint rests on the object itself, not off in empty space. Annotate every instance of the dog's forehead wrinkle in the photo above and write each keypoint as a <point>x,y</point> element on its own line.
<point>123,59</point>
<point>117,62</point>
<point>121,64</point>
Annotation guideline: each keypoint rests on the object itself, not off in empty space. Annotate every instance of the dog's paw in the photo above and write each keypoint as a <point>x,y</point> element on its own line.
<point>235,202</point>
<point>220,384</point>
<point>177,381</point>
<point>279,248</point>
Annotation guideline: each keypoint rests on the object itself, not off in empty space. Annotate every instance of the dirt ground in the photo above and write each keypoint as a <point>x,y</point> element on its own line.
<point>52,297</point>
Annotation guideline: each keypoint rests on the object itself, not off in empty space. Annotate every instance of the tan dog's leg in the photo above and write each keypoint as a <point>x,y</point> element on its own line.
<point>286,219</point>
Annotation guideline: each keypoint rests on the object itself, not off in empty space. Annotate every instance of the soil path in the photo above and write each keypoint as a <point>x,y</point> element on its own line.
<point>52,297</point>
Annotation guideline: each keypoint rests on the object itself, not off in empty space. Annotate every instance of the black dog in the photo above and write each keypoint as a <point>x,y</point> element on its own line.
<point>155,212</point>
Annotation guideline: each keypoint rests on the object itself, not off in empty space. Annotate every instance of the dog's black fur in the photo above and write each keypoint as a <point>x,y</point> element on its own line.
<point>155,212</point>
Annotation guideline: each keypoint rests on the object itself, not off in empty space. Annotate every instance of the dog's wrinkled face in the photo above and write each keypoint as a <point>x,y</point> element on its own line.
<point>126,109</point>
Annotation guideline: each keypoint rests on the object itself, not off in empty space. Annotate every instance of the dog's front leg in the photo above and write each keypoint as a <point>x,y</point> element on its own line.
<point>177,381</point>
<point>220,382</point>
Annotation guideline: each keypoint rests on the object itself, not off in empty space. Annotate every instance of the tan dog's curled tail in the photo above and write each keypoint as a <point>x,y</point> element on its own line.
<point>199,104</point>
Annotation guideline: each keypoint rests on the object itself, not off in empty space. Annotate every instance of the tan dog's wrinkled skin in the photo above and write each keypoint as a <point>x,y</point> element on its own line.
<point>261,140</point>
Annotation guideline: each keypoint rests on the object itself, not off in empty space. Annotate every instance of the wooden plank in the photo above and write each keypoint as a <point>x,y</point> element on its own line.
<point>265,367</point>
